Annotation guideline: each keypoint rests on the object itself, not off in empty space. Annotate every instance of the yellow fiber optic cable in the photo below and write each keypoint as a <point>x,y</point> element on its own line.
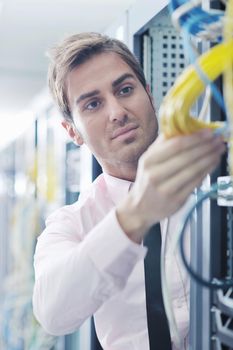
<point>174,110</point>
<point>51,175</point>
<point>228,79</point>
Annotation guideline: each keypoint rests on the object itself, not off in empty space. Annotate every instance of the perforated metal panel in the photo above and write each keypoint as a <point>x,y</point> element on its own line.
<point>163,56</point>
<point>167,47</point>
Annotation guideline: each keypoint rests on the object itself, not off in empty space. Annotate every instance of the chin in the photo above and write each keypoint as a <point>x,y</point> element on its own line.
<point>133,154</point>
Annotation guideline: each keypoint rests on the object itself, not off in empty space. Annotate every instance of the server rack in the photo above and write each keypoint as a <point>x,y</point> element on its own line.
<point>22,222</point>
<point>160,50</point>
<point>213,330</point>
<point>221,327</point>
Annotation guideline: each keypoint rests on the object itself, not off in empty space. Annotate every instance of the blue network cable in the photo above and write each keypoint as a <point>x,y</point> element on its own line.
<point>215,283</point>
<point>202,17</point>
<point>193,22</point>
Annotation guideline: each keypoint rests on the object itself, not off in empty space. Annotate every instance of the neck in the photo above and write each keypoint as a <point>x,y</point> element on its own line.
<point>124,172</point>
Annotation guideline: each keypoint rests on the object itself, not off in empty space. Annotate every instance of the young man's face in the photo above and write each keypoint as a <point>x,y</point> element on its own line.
<point>112,112</point>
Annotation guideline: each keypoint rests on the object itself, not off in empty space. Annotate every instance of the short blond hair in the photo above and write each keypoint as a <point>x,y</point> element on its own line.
<point>74,51</point>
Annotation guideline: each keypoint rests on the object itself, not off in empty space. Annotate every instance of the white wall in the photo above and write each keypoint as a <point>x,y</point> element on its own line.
<point>132,20</point>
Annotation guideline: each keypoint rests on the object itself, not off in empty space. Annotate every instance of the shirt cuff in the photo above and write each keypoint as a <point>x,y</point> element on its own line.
<point>111,250</point>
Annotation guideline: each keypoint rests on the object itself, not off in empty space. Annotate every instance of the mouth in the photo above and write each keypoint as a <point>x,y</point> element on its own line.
<point>124,131</point>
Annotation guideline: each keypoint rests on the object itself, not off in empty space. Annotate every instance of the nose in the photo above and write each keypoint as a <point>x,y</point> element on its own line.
<point>116,110</point>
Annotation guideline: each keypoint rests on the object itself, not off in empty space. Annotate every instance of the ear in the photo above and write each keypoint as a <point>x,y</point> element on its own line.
<point>72,132</point>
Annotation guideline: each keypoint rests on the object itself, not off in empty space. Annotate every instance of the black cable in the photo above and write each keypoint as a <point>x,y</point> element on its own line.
<point>215,283</point>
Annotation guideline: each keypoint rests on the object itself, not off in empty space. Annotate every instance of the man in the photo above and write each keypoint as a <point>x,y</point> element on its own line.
<point>90,258</point>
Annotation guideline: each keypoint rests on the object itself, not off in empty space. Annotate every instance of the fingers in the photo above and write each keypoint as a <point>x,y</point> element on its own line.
<point>162,150</point>
<point>169,171</point>
<point>189,161</point>
<point>190,177</point>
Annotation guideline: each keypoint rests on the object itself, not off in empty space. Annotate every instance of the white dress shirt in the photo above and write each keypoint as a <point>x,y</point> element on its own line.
<point>85,264</point>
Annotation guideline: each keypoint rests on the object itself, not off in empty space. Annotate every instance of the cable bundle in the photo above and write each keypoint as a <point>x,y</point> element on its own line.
<point>227,71</point>
<point>189,16</point>
<point>174,110</point>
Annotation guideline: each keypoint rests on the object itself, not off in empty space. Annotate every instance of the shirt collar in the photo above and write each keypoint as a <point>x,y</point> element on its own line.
<point>118,188</point>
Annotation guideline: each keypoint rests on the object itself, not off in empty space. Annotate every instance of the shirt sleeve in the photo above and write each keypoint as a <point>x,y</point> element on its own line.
<point>73,276</point>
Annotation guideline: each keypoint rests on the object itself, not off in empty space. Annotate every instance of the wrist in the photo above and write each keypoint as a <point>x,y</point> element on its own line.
<point>131,221</point>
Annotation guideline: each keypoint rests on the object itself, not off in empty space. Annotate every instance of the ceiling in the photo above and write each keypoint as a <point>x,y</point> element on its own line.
<point>28,28</point>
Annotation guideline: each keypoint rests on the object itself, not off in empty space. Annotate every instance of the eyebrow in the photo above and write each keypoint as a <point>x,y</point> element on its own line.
<point>119,80</point>
<point>87,95</point>
<point>115,83</point>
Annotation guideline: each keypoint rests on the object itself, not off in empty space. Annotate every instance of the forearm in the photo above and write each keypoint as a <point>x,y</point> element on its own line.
<point>65,294</point>
<point>74,279</point>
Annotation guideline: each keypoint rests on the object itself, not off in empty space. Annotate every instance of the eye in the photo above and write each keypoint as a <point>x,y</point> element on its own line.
<point>126,90</point>
<point>92,105</point>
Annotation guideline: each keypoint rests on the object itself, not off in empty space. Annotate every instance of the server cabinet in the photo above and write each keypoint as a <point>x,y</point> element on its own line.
<point>160,50</point>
